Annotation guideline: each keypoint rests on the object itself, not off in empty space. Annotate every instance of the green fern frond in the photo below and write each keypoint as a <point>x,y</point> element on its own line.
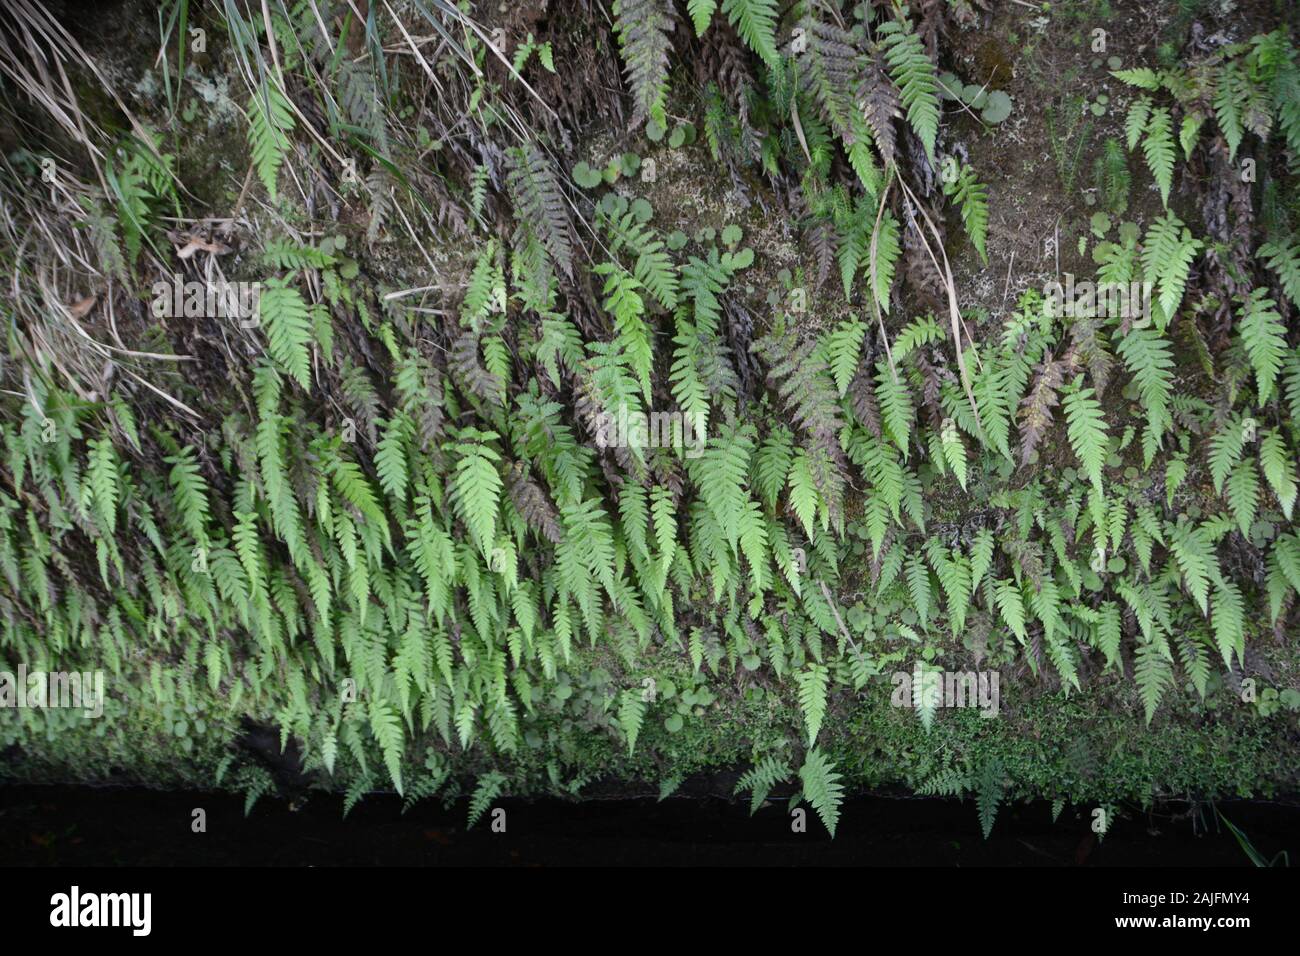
<point>914,74</point>
<point>701,12</point>
<point>972,199</point>
<point>755,21</point>
<point>761,778</point>
<point>1279,465</point>
<point>822,788</point>
<point>489,787</point>
<point>989,789</point>
<point>1087,431</point>
<point>1283,257</point>
<point>842,346</point>
<point>812,684</point>
<point>1263,335</point>
<point>288,329</point>
<point>270,120</point>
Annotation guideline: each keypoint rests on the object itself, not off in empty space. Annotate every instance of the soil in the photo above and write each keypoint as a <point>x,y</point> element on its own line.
<point>80,827</point>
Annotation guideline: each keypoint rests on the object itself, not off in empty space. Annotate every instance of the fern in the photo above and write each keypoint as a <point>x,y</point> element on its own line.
<point>1135,120</point>
<point>1148,357</point>
<point>701,12</point>
<point>1283,257</point>
<point>822,788</point>
<point>270,120</point>
<point>895,405</point>
<point>761,778</point>
<point>1264,338</point>
<point>812,698</point>
<point>1167,254</point>
<point>882,257</point>
<point>1086,427</point>
<point>842,346</point>
<point>951,782</point>
<point>1195,557</point>
<point>755,21</point>
<point>803,492</point>
<point>1113,178</point>
<point>1279,470</point>
<point>387,728</point>
<point>190,493</point>
<point>1154,676</point>
<point>830,67</point>
<point>653,268</point>
<point>540,209</point>
<point>914,74</point>
<point>1227,618</point>
<point>477,487</point>
<point>631,715</point>
<point>488,788</point>
<point>288,329</point>
<point>1012,608</point>
<point>972,198</point>
<point>988,793</point>
<point>1158,148</point>
<point>1243,494</point>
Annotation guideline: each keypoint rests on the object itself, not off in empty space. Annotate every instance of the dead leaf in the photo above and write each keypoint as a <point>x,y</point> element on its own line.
<point>196,244</point>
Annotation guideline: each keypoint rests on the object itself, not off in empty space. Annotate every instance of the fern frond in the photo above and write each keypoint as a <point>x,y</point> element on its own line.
<point>288,329</point>
<point>488,788</point>
<point>988,793</point>
<point>761,778</point>
<point>1087,431</point>
<point>914,74</point>
<point>1263,335</point>
<point>822,788</point>
<point>1279,465</point>
<point>842,346</point>
<point>631,715</point>
<point>477,489</point>
<point>1154,676</point>
<point>1283,257</point>
<point>701,12</point>
<point>1167,255</point>
<point>270,120</point>
<point>540,208</point>
<point>643,27</point>
<point>972,198</point>
<point>812,683</point>
<point>755,21</point>
<point>1158,148</point>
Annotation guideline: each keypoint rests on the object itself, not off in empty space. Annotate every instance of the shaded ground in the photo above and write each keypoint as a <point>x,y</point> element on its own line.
<point>80,827</point>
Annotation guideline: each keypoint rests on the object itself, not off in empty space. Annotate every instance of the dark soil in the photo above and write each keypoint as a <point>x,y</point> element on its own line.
<point>85,827</point>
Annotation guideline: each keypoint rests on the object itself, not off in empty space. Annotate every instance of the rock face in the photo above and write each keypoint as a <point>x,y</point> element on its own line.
<point>316,335</point>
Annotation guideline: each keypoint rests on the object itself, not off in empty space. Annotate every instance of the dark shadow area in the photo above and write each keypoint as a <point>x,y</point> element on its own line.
<point>54,826</point>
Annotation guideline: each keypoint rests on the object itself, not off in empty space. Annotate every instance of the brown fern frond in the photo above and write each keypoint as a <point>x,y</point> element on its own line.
<point>533,504</point>
<point>1036,407</point>
<point>863,392</point>
<point>879,102</point>
<point>464,359</point>
<point>829,70</point>
<point>540,206</point>
<point>824,241</point>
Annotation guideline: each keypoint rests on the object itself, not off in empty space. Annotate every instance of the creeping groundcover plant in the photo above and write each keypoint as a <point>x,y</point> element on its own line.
<point>478,400</point>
